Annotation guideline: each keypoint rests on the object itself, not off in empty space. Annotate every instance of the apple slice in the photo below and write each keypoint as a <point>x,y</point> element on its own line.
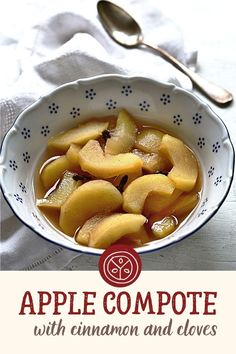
<point>93,160</point>
<point>149,140</point>
<point>164,227</point>
<point>185,167</point>
<point>72,155</point>
<point>61,142</point>
<point>153,162</point>
<point>138,238</point>
<point>124,180</point>
<point>123,136</point>
<point>88,228</point>
<point>183,205</point>
<point>58,197</point>
<point>53,170</point>
<point>156,203</point>
<point>113,227</point>
<point>137,191</point>
<point>86,201</point>
<point>132,241</point>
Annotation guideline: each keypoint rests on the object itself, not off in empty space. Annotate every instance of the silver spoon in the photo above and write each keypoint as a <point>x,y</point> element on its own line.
<point>126,31</point>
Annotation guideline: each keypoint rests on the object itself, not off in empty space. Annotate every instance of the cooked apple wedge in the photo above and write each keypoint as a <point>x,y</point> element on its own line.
<point>54,171</point>
<point>113,227</point>
<point>164,227</point>
<point>149,140</point>
<point>183,205</point>
<point>60,143</point>
<point>93,160</point>
<point>123,136</point>
<point>86,201</point>
<point>132,242</point>
<point>156,203</point>
<point>149,160</point>
<point>137,191</point>
<point>122,181</point>
<point>58,197</point>
<point>185,167</point>
<point>138,238</point>
<point>88,228</point>
<point>72,155</point>
<point>153,162</point>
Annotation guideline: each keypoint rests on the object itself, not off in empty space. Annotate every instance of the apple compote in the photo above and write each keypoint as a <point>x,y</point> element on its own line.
<point>116,180</point>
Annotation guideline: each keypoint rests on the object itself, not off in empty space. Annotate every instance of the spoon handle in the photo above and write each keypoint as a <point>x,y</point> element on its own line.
<point>216,93</point>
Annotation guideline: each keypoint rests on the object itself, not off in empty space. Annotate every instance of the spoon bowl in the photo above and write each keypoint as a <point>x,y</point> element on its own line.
<point>120,25</point>
<point>123,28</point>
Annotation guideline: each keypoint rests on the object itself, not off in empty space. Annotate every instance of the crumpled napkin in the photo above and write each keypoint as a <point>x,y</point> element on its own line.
<point>67,45</point>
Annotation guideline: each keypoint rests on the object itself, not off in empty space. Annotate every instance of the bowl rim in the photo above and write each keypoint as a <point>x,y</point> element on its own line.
<point>97,78</point>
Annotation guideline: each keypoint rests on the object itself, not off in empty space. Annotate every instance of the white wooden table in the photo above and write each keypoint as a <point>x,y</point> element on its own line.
<point>208,25</point>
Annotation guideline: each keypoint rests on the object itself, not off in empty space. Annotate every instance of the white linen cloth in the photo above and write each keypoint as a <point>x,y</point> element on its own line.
<point>69,43</point>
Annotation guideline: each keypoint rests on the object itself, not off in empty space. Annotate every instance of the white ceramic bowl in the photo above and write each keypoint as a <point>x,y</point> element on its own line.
<point>172,108</point>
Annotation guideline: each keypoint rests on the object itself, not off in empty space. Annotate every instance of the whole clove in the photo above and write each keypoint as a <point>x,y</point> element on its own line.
<point>106,135</point>
<point>122,183</point>
<point>81,178</point>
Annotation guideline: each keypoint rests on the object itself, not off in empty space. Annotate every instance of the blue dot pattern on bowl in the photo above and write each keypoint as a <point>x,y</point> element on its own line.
<point>111,104</point>
<point>13,165</point>
<point>144,106</point>
<point>40,225</point>
<point>25,133</point>
<point>202,207</point>
<point>165,98</point>
<point>204,202</point>
<point>18,198</point>
<point>126,90</point>
<point>26,157</point>
<point>211,171</point>
<point>177,119</point>
<point>35,216</point>
<point>22,187</point>
<point>201,142</point>
<point>90,94</point>
<point>202,212</point>
<point>75,112</point>
<point>218,180</point>
<point>38,220</point>
<point>216,147</point>
<point>45,130</point>
<point>197,118</point>
<point>53,108</point>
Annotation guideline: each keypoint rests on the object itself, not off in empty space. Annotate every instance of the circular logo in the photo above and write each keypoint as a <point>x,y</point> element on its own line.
<point>120,265</point>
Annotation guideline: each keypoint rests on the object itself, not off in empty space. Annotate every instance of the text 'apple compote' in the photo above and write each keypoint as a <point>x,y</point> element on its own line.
<point>116,180</point>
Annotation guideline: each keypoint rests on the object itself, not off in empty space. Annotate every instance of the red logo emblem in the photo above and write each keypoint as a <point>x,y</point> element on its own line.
<point>120,265</point>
